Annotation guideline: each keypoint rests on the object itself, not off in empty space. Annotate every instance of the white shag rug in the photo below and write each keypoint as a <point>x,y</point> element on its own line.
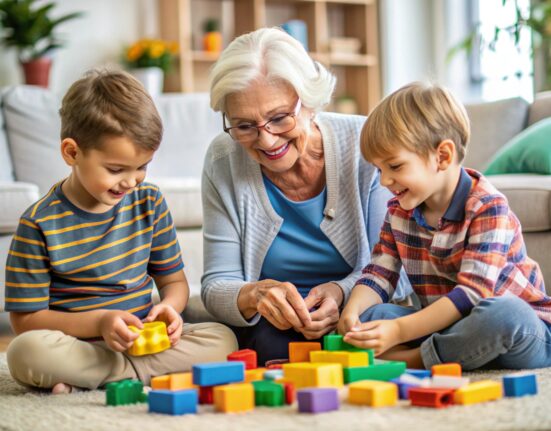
<point>22,409</point>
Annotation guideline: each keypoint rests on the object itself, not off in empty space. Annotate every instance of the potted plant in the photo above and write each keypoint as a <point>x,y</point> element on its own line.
<point>27,26</point>
<point>148,60</point>
<point>538,21</point>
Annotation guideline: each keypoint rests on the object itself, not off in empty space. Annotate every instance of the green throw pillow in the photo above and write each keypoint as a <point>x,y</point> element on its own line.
<point>527,153</point>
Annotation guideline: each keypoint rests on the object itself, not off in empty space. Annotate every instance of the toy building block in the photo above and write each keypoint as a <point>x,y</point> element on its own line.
<point>254,374</point>
<point>317,400</point>
<point>450,382</point>
<point>346,359</point>
<point>478,392</point>
<point>431,397</point>
<point>173,402</point>
<point>248,356</point>
<point>267,393</point>
<point>520,384</point>
<point>124,392</point>
<point>418,373</point>
<point>273,374</point>
<point>373,393</point>
<point>237,397</point>
<point>379,371</point>
<point>306,374</point>
<point>218,373</point>
<point>299,351</point>
<point>449,369</point>
<point>153,339</point>
<point>403,387</point>
<point>290,393</point>
<point>206,394</point>
<point>173,382</point>
<point>335,342</point>
<point>276,363</point>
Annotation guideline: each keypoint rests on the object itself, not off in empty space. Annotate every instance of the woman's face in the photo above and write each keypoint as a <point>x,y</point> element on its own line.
<point>261,102</point>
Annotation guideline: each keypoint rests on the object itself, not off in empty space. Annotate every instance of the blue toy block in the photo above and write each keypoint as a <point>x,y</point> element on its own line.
<point>403,387</point>
<point>421,374</point>
<point>218,373</point>
<point>518,385</point>
<point>173,402</point>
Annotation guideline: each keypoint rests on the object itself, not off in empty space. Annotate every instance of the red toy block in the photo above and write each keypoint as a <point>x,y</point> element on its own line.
<point>248,356</point>
<point>431,397</point>
<point>275,364</point>
<point>290,393</point>
<point>206,394</point>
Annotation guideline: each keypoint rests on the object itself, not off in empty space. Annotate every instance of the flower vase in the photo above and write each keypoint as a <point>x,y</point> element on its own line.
<point>152,78</point>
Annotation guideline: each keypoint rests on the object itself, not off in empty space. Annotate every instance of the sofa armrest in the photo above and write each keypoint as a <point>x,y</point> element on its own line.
<point>15,198</point>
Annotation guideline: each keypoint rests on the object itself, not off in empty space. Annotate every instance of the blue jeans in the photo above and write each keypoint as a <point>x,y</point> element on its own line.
<point>500,332</point>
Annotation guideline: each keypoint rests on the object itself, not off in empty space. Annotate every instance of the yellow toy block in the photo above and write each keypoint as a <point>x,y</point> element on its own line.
<point>478,392</point>
<point>346,359</point>
<point>153,339</point>
<point>254,374</point>
<point>449,369</point>
<point>373,393</point>
<point>173,382</point>
<point>299,351</point>
<point>233,398</point>
<point>306,374</point>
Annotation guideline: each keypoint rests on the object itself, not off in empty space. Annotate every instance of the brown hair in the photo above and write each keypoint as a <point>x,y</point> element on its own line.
<point>416,117</point>
<point>110,103</point>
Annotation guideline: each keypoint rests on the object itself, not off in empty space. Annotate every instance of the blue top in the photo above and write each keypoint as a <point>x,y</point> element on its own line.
<point>301,253</point>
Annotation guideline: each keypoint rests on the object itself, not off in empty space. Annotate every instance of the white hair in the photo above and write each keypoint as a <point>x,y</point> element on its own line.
<point>273,54</point>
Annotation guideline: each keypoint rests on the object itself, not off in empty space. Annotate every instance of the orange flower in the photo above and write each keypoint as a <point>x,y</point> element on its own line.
<point>134,52</point>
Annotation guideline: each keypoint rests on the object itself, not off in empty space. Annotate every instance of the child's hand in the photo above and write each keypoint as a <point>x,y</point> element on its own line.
<point>379,335</point>
<point>347,321</point>
<point>173,320</point>
<point>113,327</point>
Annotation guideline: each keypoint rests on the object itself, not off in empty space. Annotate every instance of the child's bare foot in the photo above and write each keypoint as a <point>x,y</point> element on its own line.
<point>62,388</point>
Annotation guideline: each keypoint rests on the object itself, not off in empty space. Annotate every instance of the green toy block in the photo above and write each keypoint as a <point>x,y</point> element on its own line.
<point>335,342</point>
<point>268,393</point>
<point>380,370</point>
<point>125,392</point>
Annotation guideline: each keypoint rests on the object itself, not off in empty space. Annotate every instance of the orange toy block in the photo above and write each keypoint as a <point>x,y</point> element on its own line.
<point>373,393</point>
<point>306,374</point>
<point>153,339</point>
<point>478,392</point>
<point>173,382</point>
<point>254,375</point>
<point>233,398</point>
<point>299,351</point>
<point>449,369</point>
<point>346,359</point>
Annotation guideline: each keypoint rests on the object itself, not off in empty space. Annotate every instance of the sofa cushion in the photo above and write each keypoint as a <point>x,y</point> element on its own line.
<point>15,198</point>
<point>33,125</point>
<point>529,197</point>
<point>6,173</point>
<point>540,108</point>
<point>183,197</point>
<point>528,152</point>
<point>492,125</point>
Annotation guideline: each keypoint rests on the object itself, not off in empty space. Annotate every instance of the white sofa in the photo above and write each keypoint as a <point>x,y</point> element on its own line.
<point>30,163</point>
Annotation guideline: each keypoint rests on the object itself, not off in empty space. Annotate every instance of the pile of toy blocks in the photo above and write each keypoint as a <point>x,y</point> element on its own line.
<point>313,377</point>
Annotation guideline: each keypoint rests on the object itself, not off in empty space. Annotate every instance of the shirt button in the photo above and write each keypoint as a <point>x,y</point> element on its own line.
<point>330,213</point>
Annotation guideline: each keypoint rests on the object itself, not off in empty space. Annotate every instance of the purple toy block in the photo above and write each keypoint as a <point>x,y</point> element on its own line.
<point>218,373</point>
<point>317,400</point>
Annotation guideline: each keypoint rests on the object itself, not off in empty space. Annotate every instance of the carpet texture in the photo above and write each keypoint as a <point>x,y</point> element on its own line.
<point>21,409</point>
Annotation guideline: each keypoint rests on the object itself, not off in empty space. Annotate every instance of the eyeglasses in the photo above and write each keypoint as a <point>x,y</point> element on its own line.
<point>280,123</point>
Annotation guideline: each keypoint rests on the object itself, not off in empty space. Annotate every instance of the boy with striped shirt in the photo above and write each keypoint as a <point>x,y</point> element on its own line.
<point>85,258</point>
<point>483,300</point>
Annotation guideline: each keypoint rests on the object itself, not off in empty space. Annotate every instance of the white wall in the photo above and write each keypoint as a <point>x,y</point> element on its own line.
<point>95,39</point>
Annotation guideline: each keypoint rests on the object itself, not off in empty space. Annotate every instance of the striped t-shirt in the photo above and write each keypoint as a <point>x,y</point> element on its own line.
<point>477,251</point>
<point>66,259</point>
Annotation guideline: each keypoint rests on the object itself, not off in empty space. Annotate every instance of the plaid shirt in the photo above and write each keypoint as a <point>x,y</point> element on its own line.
<point>476,252</point>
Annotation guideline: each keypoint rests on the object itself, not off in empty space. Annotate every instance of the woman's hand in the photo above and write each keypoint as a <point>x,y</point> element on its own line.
<point>167,314</point>
<point>113,327</point>
<point>324,301</point>
<point>280,304</point>
<point>379,335</point>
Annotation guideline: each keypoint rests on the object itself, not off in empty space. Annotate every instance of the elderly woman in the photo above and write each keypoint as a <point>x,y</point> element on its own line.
<point>291,210</point>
